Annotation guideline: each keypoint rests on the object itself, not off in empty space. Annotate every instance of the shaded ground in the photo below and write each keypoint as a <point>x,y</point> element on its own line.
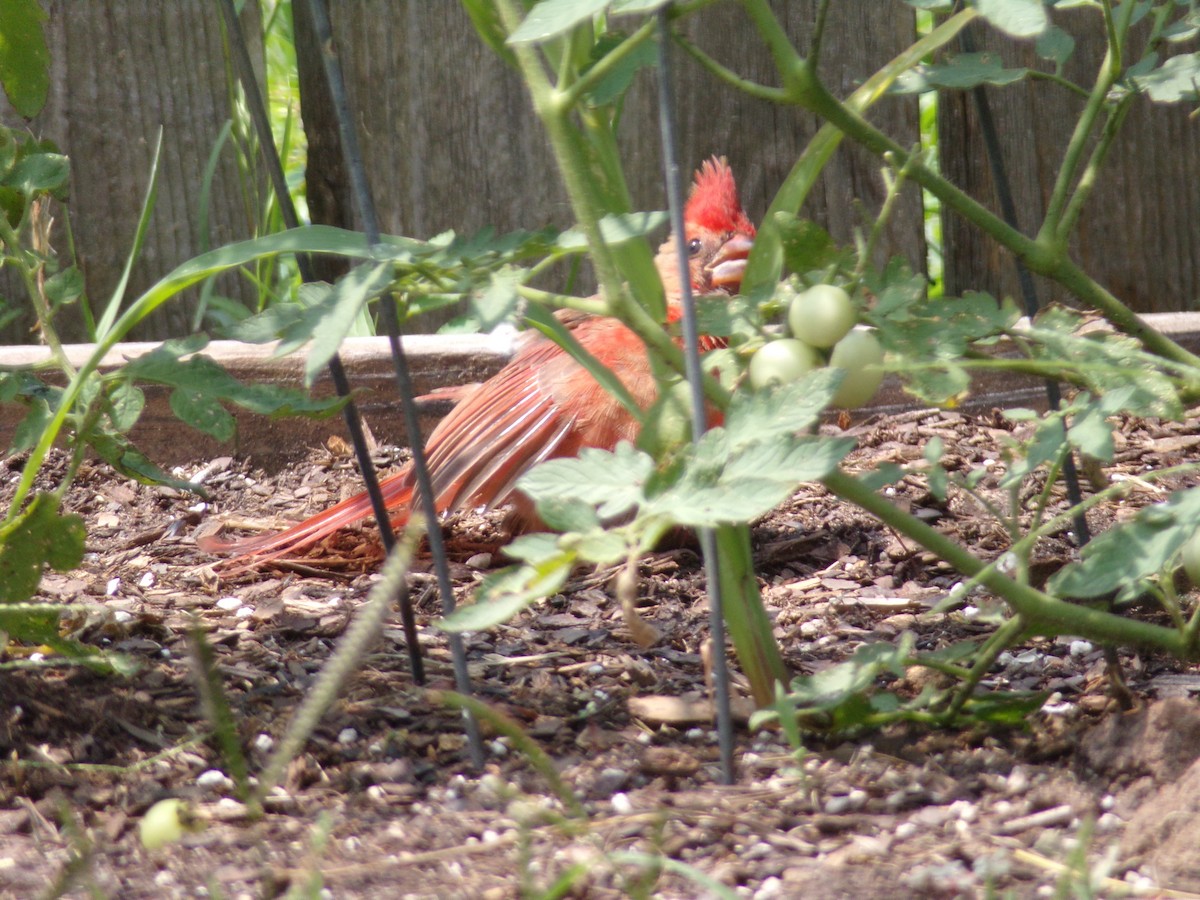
<point>384,803</point>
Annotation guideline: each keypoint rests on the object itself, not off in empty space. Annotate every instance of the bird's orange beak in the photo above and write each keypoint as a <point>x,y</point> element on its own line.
<point>728,266</point>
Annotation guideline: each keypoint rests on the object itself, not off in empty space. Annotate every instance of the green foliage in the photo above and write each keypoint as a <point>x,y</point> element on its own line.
<point>24,59</point>
<point>1125,558</point>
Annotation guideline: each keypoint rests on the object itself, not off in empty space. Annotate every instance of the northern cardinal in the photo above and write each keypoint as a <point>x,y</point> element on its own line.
<point>543,404</point>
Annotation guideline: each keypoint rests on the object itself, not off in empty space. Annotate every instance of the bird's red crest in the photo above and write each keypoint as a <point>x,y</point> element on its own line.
<point>713,203</point>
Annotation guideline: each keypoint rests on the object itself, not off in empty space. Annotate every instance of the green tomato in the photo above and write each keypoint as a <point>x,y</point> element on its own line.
<point>781,362</point>
<point>860,355</point>
<point>1190,557</point>
<point>822,315</point>
<point>162,824</point>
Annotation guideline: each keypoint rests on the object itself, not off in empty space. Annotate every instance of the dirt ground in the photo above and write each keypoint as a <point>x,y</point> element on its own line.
<point>1084,800</point>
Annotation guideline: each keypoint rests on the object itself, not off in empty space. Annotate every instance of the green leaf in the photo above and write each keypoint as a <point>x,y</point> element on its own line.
<point>782,412</point>
<point>1020,18</point>
<point>835,685</point>
<point>204,382</point>
<point>1048,443</point>
<point>610,481</point>
<point>615,229</point>
<point>29,431</point>
<point>719,484</point>
<point>1122,558</point>
<point>1055,45</point>
<point>500,302</point>
<point>65,286</point>
<point>349,295</point>
<point>203,412</point>
<point>36,538</point>
<point>24,59</point>
<point>1176,79</point>
<point>961,72</point>
<point>615,83</point>
<point>126,403</point>
<point>505,593</point>
<point>622,7</point>
<point>39,173</point>
<point>120,453</point>
<point>807,247</point>
<point>563,514</point>
<point>550,18</point>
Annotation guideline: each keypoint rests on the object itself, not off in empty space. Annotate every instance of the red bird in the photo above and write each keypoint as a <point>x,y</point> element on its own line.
<point>543,404</point>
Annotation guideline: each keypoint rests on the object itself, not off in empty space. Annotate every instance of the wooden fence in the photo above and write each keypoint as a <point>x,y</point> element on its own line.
<point>451,143</point>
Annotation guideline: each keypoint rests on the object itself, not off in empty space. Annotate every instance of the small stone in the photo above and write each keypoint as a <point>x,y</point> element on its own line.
<point>213,779</point>
<point>229,604</point>
<point>347,736</point>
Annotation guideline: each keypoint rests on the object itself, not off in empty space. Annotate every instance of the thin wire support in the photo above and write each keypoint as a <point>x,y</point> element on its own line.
<point>691,350</point>
<point>337,372</point>
<point>361,192</point>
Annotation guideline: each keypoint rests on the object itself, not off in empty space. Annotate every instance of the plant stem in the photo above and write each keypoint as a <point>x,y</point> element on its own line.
<point>1042,612</point>
<point>589,79</point>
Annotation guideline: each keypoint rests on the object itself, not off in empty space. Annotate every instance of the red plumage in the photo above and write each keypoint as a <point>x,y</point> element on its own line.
<point>542,404</point>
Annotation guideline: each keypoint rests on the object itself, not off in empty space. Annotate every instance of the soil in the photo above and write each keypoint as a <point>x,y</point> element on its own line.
<point>1081,798</point>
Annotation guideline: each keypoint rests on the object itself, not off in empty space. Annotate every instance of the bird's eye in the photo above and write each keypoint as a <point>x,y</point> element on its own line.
<point>694,246</point>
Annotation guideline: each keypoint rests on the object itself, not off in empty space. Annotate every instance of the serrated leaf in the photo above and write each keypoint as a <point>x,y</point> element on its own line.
<point>1121,558</point>
<point>610,481</point>
<point>24,58</point>
<point>550,18</point>
<point>718,485</point>
<point>37,538</point>
<point>782,412</point>
<point>961,72</point>
<point>1020,18</point>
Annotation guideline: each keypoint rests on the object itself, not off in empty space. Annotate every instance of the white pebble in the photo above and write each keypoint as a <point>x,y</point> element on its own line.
<point>1081,648</point>
<point>121,617</point>
<point>212,778</point>
<point>621,804</point>
<point>1017,782</point>
<point>245,612</point>
<point>263,742</point>
<point>147,580</point>
<point>229,604</point>
<point>347,736</point>
<point>771,887</point>
<point>114,585</point>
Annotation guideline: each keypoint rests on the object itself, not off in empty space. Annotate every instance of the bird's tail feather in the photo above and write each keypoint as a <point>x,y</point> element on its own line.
<point>249,552</point>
